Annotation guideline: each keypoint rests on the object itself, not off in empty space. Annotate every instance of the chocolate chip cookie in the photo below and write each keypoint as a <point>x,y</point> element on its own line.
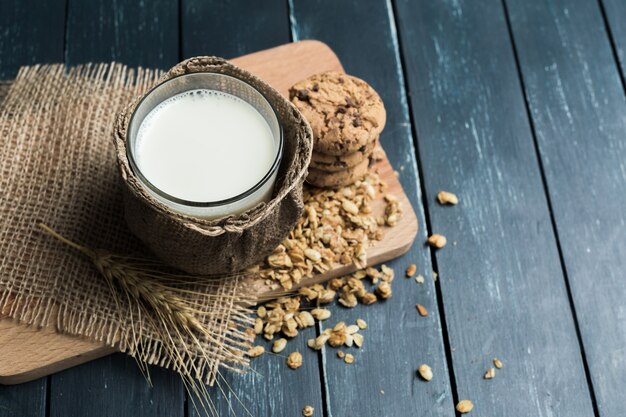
<point>344,112</point>
<point>334,163</point>
<point>325,179</point>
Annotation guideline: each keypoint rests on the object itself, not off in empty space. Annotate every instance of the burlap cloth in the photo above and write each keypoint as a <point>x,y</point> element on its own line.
<point>58,166</point>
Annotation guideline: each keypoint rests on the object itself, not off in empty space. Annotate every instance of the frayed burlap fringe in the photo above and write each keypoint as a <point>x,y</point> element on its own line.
<point>58,166</point>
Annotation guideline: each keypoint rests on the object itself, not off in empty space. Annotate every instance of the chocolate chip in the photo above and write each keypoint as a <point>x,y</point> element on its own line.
<point>303,94</point>
<point>341,109</point>
<point>340,80</point>
<point>316,87</point>
<point>356,122</point>
<point>349,102</point>
<point>362,148</point>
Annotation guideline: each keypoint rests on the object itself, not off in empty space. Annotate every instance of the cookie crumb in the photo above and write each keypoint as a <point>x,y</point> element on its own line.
<point>419,279</point>
<point>491,372</point>
<point>307,411</point>
<point>349,358</point>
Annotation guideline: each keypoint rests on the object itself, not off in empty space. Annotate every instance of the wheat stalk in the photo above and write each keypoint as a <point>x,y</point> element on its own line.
<point>173,318</point>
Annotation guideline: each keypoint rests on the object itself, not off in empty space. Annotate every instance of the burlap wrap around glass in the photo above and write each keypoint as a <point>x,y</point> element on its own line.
<point>58,166</point>
<point>229,244</point>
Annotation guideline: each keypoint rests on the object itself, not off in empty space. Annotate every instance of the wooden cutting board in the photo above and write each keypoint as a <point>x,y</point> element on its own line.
<point>27,352</point>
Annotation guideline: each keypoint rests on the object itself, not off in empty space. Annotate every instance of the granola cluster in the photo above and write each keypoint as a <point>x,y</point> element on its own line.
<point>337,228</point>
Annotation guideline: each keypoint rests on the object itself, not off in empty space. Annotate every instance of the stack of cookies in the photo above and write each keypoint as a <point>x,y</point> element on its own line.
<point>346,116</point>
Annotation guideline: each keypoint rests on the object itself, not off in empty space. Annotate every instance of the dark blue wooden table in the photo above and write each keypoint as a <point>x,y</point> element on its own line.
<point>516,106</point>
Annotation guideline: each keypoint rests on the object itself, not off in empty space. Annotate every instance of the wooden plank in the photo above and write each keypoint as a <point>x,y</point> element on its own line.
<point>114,386</point>
<point>397,339</point>
<point>502,284</point>
<point>148,36</point>
<point>24,400</point>
<point>232,28</point>
<point>30,34</point>
<point>615,14</point>
<point>131,32</point>
<point>576,100</point>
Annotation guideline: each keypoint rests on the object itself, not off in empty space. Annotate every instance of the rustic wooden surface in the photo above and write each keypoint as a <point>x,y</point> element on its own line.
<point>502,283</point>
<point>516,106</point>
<point>576,98</point>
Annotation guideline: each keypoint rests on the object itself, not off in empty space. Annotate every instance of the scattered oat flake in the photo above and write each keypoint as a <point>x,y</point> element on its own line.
<point>497,363</point>
<point>425,372</point>
<point>419,279</point>
<point>491,372</point>
<point>256,351</point>
<point>358,339</point>
<point>438,241</point>
<point>422,310</point>
<point>410,271</point>
<point>294,360</point>
<point>361,323</point>
<point>464,406</point>
<point>446,197</point>
<point>340,354</point>
<point>307,411</point>
<point>279,345</point>
<point>349,358</point>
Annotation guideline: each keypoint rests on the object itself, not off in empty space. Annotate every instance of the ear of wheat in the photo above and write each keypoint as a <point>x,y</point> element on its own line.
<point>144,289</point>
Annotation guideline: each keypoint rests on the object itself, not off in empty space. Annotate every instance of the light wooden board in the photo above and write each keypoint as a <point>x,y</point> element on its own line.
<point>28,353</point>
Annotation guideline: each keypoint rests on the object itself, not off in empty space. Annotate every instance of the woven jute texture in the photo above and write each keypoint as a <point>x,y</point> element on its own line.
<point>58,166</point>
<point>229,244</point>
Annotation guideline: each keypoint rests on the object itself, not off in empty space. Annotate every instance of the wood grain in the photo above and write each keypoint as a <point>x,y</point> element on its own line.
<point>393,245</point>
<point>615,15</point>
<point>232,28</point>
<point>502,284</point>
<point>576,100</point>
<point>397,340</point>
<point>131,32</point>
<point>29,33</point>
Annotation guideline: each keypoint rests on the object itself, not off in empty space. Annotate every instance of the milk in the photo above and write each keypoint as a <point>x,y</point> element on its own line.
<point>204,146</point>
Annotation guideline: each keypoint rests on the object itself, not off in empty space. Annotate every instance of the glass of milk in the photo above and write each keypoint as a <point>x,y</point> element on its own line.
<point>206,145</point>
